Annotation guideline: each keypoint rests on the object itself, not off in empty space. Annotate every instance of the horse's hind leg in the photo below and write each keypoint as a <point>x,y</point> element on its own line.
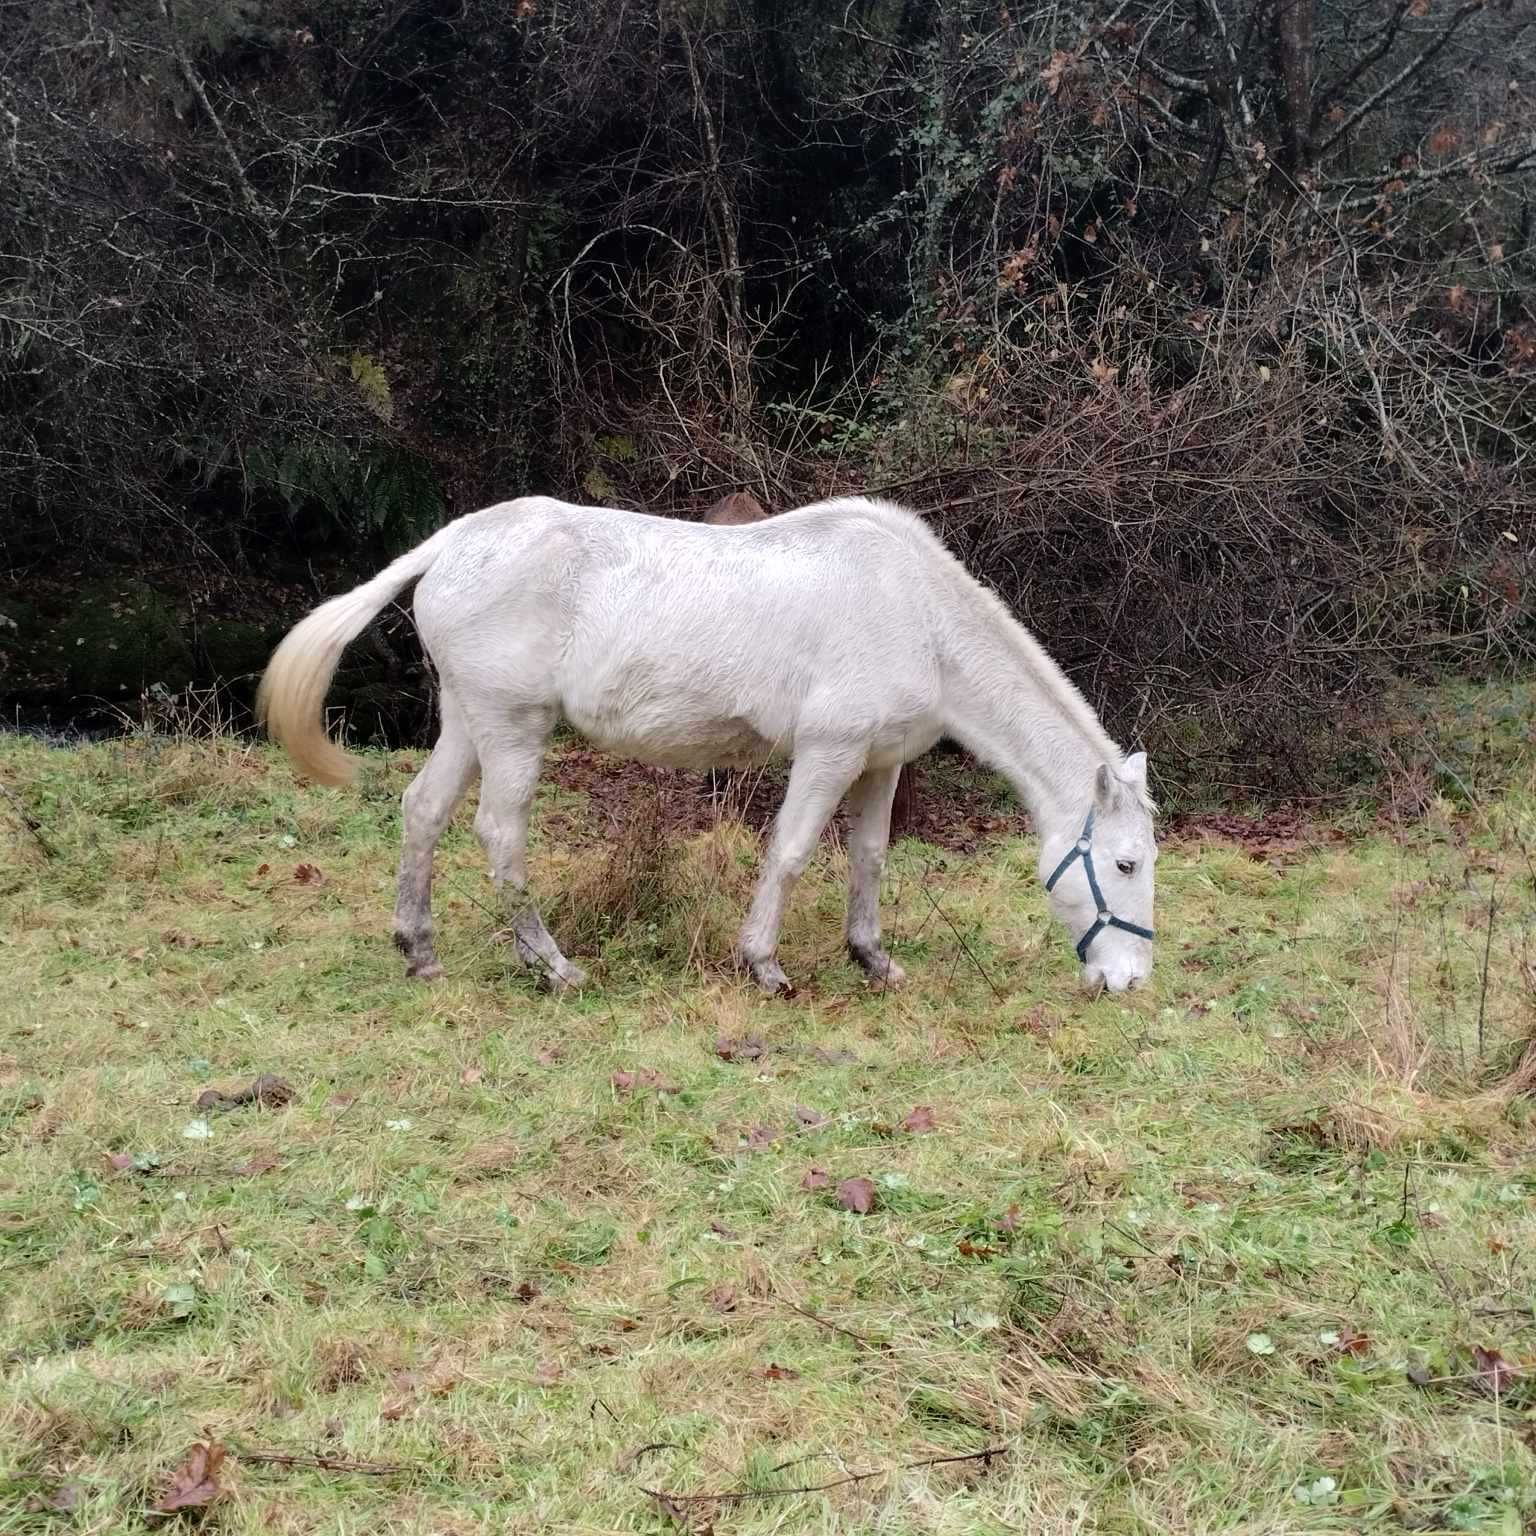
<point>426,807</point>
<point>869,810</point>
<point>511,754</point>
<point>817,781</point>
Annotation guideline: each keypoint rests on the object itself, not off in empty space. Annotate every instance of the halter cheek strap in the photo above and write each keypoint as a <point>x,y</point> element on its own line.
<point>1104,918</point>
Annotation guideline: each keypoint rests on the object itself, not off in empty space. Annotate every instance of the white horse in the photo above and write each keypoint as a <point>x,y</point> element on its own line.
<point>842,636</point>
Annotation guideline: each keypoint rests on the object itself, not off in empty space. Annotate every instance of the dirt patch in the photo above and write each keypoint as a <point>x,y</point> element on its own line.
<point>956,805</point>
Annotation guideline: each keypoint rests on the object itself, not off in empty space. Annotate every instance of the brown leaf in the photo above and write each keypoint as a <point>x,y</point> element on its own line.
<point>1494,1372</point>
<point>723,1298</point>
<point>263,869</point>
<point>268,1091</point>
<point>815,1178</point>
<point>749,1048</point>
<point>720,1229</point>
<point>549,1055</point>
<point>340,1101</point>
<point>857,1195</point>
<point>263,1162</point>
<point>811,1119</point>
<point>526,1292</point>
<point>975,1250</point>
<point>773,1371</point>
<point>470,1075</point>
<point>395,1408</point>
<point>174,938</point>
<point>1009,1220</point>
<point>1056,66</point>
<point>829,1056</point>
<point>119,1162</point>
<point>918,1120</point>
<point>195,1483</point>
<point>547,1373</point>
<point>622,1081</point>
<point>1351,1343</point>
<point>307,874</point>
<point>60,1500</point>
<point>1419,1374</point>
<point>761,1136</point>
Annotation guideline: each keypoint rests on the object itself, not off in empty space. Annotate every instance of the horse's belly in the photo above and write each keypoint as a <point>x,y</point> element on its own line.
<point>681,744</point>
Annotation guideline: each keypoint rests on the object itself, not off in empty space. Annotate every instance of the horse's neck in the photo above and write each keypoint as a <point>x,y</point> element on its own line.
<point>1017,710</point>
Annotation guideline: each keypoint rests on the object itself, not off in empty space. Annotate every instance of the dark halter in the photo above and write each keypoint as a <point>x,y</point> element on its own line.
<point>1083,849</point>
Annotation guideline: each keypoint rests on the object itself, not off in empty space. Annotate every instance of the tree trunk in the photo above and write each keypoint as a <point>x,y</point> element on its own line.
<point>1293,64</point>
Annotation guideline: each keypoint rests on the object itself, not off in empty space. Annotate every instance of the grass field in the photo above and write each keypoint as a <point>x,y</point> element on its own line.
<point>1254,1250</point>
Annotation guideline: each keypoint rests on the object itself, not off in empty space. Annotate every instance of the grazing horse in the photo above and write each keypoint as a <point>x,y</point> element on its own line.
<point>842,636</point>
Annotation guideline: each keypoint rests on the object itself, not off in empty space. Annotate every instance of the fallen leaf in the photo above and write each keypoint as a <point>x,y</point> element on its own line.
<point>307,874</point>
<point>396,1408</point>
<point>548,1055</point>
<point>723,1298</point>
<point>761,1136</point>
<point>1494,1372</point>
<point>547,1373</point>
<point>857,1195</point>
<point>975,1250</point>
<point>58,1501</point>
<point>1419,1374</point>
<point>174,938</point>
<point>720,1229</point>
<point>341,1101</point>
<point>470,1075</point>
<point>773,1371</point>
<point>811,1119</point>
<point>622,1081</point>
<point>197,1130</point>
<point>268,1091</point>
<point>749,1048</point>
<point>526,1292</point>
<point>263,869</point>
<point>120,1162</point>
<point>918,1120</point>
<point>815,1178</point>
<point>195,1483</point>
<point>829,1057</point>
<point>261,1163</point>
<point>1260,1344</point>
<point>1354,1343</point>
<point>1009,1220</point>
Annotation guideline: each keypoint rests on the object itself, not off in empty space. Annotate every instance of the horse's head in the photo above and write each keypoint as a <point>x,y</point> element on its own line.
<point>1098,873</point>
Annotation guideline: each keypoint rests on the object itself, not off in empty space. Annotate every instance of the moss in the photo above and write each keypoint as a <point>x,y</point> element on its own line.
<point>236,650</point>
<point>120,638</point>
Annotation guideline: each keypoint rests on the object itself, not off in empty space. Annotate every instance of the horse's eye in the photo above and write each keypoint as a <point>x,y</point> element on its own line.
<point>1126,866</point>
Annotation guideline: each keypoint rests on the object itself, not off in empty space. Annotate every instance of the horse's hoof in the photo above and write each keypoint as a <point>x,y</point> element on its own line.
<point>772,981</point>
<point>429,970</point>
<point>571,979</point>
<point>882,973</point>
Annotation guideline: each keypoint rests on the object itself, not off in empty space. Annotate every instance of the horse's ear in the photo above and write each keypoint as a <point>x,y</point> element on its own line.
<point>1106,788</point>
<point>1134,770</point>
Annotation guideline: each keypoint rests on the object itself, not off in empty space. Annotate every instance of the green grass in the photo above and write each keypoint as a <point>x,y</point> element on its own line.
<point>1216,1258</point>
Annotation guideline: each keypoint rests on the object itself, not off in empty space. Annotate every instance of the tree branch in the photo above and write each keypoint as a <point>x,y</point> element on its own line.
<point>1329,93</point>
<point>195,85</point>
<point>1403,76</point>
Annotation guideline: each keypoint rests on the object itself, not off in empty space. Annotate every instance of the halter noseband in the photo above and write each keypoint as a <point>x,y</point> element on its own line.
<point>1083,849</point>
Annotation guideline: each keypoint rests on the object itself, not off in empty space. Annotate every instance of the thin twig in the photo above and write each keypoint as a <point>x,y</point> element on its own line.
<point>746,1495</point>
<point>320,1463</point>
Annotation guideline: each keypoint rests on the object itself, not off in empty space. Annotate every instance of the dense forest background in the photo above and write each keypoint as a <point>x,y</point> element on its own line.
<point>1205,330</point>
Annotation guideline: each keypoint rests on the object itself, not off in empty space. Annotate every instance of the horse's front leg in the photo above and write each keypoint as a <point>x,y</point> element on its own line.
<point>817,781</point>
<point>869,811</point>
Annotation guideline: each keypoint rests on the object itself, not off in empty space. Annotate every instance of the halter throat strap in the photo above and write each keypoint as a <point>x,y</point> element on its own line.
<point>1103,917</point>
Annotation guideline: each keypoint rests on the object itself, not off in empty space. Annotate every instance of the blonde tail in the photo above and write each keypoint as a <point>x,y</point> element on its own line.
<point>291,697</point>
